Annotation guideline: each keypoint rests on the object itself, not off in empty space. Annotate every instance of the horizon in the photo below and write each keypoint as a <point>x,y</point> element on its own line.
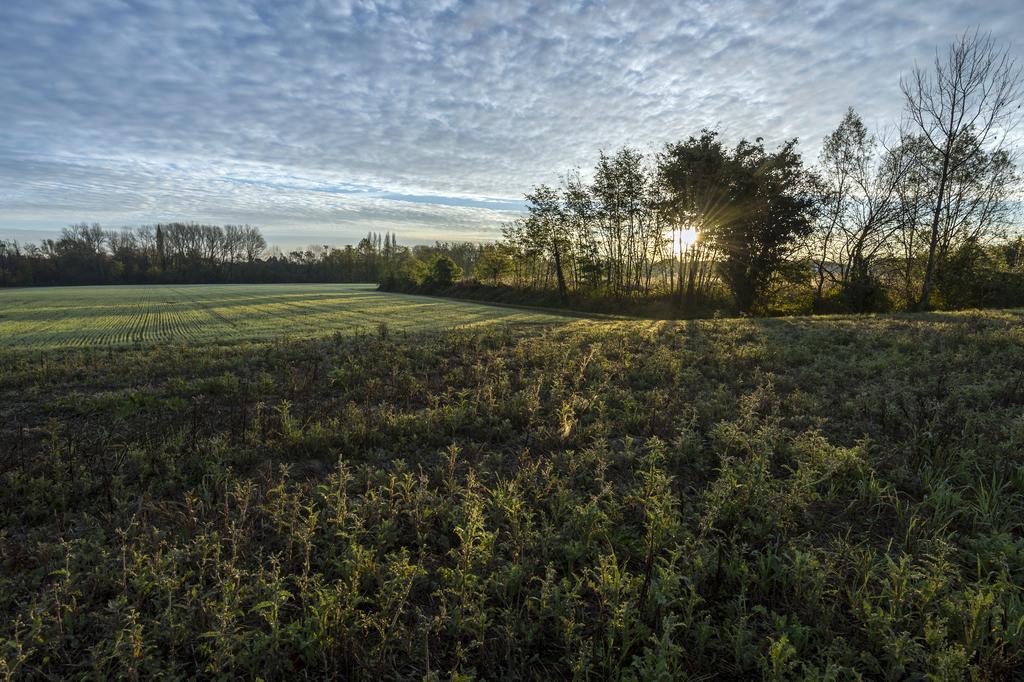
<point>37,237</point>
<point>321,123</point>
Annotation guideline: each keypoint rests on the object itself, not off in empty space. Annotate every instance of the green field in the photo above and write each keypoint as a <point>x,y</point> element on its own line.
<point>225,313</point>
<point>833,498</point>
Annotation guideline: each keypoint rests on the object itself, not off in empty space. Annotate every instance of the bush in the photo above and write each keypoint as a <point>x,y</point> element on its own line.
<point>972,278</point>
<point>865,294</point>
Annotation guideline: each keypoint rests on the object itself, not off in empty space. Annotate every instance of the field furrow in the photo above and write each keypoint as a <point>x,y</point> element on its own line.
<point>215,313</point>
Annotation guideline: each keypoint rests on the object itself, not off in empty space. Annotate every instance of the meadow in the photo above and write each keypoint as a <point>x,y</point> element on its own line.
<point>801,498</point>
<point>222,313</point>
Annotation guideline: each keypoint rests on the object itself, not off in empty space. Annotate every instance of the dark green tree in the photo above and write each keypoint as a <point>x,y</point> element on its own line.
<point>443,272</point>
<point>768,207</point>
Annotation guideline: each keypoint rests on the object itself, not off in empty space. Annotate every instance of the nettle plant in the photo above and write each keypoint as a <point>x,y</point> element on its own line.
<point>818,499</point>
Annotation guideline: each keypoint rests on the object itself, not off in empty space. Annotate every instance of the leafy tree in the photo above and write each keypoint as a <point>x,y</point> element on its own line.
<point>493,263</point>
<point>546,228</point>
<point>442,272</point>
<point>766,207</point>
<point>413,270</point>
<point>579,214</point>
<point>626,219</point>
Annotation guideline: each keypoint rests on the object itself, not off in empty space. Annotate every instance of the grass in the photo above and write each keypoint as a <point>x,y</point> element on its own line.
<point>126,315</point>
<point>804,498</point>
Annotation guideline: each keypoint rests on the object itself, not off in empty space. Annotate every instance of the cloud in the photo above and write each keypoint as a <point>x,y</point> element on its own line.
<point>324,118</point>
<point>293,209</point>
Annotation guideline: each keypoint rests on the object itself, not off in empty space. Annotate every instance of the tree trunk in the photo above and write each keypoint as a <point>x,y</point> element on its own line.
<point>926,287</point>
<point>559,274</point>
<point>682,255</point>
<point>691,280</point>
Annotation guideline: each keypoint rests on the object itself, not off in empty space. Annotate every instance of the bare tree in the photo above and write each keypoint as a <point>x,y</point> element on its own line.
<point>253,243</point>
<point>963,105</point>
<point>839,159</point>
<point>234,237</point>
<point>860,209</point>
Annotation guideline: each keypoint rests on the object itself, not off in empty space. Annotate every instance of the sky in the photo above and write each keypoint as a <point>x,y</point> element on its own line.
<point>321,120</point>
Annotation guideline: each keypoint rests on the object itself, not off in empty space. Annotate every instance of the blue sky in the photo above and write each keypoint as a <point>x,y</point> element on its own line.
<point>319,120</point>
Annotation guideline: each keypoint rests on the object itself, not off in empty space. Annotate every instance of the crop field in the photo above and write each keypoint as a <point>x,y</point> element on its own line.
<point>211,313</point>
<point>804,498</point>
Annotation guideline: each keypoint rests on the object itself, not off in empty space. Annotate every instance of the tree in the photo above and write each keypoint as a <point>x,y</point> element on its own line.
<point>769,208</point>
<point>10,259</point>
<point>626,219</point>
<point>523,252</point>
<point>841,153</point>
<point>546,228</point>
<point>252,243</point>
<point>693,175</point>
<point>859,210</point>
<point>579,215</point>
<point>493,263</point>
<point>81,252</point>
<point>413,270</point>
<point>193,252</point>
<point>962,107</point>
<point>442,272</point>
<point>160,253</point>
<point>754,206</point>
<point>915,194</point>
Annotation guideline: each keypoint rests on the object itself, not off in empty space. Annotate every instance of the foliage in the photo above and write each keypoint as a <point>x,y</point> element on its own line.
<point>606,237</point>
<point>494,264</point>
<point>442,271</point>
<point>413,270</point>
<point>871,227</point>
<point>546,229</point>
<point>769,208</point>
<point>692,175</point>
<point>836,498</point>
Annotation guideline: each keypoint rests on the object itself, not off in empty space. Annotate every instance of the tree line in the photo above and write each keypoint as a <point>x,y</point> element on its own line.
<point>196,253</point>
<point>917,215</point>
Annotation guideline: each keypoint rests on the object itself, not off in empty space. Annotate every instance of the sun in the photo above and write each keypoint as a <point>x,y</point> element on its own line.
<point>683,239</point>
